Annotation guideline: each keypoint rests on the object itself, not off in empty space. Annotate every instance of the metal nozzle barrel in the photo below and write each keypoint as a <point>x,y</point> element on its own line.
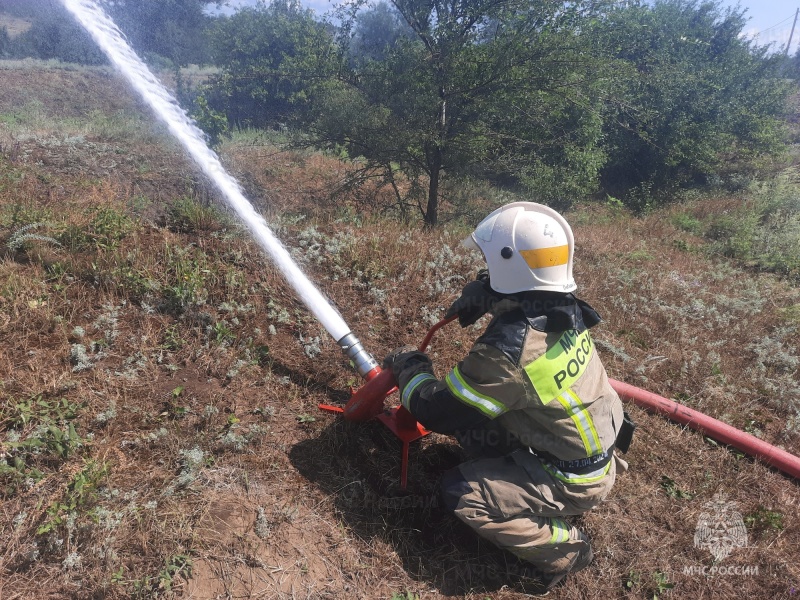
<point>367,401</point>
<point>361,359</point>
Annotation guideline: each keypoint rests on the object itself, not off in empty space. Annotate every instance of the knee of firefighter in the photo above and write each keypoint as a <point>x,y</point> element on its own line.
<point>453,488</point>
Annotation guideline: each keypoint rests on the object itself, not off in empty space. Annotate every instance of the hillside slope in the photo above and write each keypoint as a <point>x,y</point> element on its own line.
<point>159,430</point>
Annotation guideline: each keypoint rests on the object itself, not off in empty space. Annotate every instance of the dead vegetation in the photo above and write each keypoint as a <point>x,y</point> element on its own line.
<point>159,382</point>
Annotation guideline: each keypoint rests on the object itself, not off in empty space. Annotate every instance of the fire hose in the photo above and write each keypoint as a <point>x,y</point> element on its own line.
<point>367,403</point>
<point>713,428</point>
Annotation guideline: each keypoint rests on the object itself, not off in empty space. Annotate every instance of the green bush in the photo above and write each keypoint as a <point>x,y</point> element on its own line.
<point>765,231</point>
<point>693,96</point>
<point>687,223</point>
<point>187,215</point>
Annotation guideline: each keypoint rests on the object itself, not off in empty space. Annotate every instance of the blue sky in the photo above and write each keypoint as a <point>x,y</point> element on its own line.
<point>770,21</point>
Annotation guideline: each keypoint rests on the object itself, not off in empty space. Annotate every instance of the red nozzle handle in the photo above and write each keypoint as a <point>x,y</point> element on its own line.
<point>427,340</point>
<point>367,401</point>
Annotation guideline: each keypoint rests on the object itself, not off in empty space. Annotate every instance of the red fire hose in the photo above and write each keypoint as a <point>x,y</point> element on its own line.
<point>717,430</point>
<point>367,403</point>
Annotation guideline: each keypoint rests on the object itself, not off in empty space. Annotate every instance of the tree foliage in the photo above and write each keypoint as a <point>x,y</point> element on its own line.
<point>481,87</point>
<point>376,31</point>
<point>173,29</point>
<point>54,34</point>
<point>272,59</point>
<point>555,97</point>
<point>693,94</point>
<point>5,43</point>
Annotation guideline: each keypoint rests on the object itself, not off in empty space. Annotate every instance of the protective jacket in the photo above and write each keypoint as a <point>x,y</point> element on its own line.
<point>533,380</point>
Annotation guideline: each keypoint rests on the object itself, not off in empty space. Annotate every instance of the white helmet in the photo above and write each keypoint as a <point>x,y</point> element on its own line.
<point>527,246</point>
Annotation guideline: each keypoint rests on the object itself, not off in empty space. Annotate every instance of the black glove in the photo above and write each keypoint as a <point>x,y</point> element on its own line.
<point>401,358</point>
<point>477,298</point>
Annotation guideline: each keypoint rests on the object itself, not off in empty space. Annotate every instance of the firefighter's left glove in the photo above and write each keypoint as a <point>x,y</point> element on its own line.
<point>405,358</point>
<point>477,298</point>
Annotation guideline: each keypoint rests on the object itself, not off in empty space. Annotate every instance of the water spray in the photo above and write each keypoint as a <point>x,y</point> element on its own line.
<point>367,402</point>
<point>111,40</point>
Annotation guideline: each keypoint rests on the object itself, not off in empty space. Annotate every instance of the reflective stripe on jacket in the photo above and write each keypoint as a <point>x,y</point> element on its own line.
<point>548,389</point>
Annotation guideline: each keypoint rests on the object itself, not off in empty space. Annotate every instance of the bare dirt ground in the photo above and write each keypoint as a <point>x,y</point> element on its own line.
<point>200,466</point>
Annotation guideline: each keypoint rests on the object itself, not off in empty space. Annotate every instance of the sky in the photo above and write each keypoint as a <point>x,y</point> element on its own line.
<point>770,21</point>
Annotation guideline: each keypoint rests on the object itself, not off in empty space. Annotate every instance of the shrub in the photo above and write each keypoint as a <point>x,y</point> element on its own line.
<point>765,231</point>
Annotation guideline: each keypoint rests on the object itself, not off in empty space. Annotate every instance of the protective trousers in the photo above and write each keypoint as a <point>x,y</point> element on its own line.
<point>517,505</point>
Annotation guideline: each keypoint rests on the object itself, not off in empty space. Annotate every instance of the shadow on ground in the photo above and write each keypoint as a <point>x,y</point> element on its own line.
<point>358,466</point>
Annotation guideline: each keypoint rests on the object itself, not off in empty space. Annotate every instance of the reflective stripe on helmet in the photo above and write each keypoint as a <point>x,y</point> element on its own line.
<point>546,257</point>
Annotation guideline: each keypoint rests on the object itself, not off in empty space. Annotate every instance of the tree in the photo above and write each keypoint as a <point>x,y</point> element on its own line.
<point>791,66</point>
<point>54,34</point>
<point>272,58</point>
<point>694,94</point>
<point>5,42</point>
<point>481,87</point>
<point>377,30</point>
<point>173,29</point>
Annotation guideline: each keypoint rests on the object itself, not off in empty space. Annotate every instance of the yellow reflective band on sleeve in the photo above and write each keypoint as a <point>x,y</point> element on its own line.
<point>461,390</point>
<point>583,422</point>
<point>546,257</point>
<point>412,385</point>
<point>560,532</point>
<point>561,366</point>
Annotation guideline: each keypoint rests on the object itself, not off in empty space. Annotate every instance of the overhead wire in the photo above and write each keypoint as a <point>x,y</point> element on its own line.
<point>789,18</point>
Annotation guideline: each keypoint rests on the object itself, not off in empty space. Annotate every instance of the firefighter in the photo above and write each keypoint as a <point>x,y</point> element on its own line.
<point>531,403</point>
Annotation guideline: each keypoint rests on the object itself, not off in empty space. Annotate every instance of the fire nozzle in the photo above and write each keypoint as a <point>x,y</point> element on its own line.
<point>367,401</point>
<point>362,360</point>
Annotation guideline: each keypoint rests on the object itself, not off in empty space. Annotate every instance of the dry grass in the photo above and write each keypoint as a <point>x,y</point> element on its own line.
<point>200,466</point>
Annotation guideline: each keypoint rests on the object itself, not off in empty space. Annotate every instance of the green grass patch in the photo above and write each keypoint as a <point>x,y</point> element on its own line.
<point>688,223</point>
<point>81,493</point>
<point>187,215</point>
<point>39,433</point>
<point>106,228</point>
<point>763,519</point>
<point>764,232</point>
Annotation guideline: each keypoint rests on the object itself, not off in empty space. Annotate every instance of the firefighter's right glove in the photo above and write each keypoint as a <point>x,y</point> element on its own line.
<point>406,358</point>
<point>477,298</point>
